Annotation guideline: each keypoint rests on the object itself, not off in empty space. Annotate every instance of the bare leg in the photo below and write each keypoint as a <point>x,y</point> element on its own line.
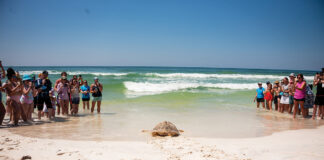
<point>258,104</point>
<point>83,103</point>
<point>2,113</point>
<point>263,105</point>
<point>15,111</point>
<point>314,111</point>
<point>87,103</point>
<point>92,106</point>
<point>295,109</point>
<point>302,109</point>
<point>270,105</point>
<point>98,106</point>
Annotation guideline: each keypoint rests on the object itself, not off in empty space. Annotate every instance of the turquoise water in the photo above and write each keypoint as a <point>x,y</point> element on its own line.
<point>205,102</point>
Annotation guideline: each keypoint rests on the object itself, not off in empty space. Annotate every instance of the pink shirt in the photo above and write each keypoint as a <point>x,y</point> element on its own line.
<point>300,94</point>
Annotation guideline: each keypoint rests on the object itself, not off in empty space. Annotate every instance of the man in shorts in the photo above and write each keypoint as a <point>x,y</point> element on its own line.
<point>259,95</point>
<point>43,86</point>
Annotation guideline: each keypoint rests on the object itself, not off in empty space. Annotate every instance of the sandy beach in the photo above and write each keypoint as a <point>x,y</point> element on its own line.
<point>293,144</point>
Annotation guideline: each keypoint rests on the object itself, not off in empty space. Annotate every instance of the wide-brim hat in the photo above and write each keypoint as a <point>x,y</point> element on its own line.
<point>26,77</point>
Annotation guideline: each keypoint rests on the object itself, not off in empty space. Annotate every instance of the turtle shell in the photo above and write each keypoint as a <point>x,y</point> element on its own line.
<point>165,129</point>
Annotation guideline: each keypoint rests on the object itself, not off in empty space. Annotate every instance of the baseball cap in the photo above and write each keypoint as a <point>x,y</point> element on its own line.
<point>292,75</point>
<point>268,82</point>
<point>95,78</point>
<point>259,83</point>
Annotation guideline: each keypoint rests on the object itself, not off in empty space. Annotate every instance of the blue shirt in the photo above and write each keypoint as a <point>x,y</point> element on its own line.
<point>85,88</point>
<point>260,92</point>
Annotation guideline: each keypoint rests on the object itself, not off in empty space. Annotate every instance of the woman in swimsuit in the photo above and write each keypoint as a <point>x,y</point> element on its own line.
<point>14,89</point>
<point>27,99</point>
<point>63,96</point>
<point>299,96</point>
<point>268,96</point>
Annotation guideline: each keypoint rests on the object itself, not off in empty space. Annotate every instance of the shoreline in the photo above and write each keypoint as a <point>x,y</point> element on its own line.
<point>290,144</point>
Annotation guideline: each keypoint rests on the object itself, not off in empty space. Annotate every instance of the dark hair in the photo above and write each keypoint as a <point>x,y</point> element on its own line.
<point>310,86</point>
<point>321,74</point>
<point>286,78</point>
<point>45,72</point>
<point>10,72</point>
<point>300,75</point>
<point>63,73</point>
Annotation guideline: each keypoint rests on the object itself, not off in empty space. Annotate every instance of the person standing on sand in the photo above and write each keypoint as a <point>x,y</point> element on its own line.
<point>55,89</point>
<point>85,90</point>
<point>299,96</point>
<point>2,108</point>
<point>276,91</point>
<point>285,96</point>
<point>96,90</point>
<point>63,96</point>
<point>292,83</point>
<point>13,88</point>
<point>319,100</point>
<point>268,96</point>
<point>43,86</point>
<point>27,98</point>
<point>259,95</point>
<point>75,96</point>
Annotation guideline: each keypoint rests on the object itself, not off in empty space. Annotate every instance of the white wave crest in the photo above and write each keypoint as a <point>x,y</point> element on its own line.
<point>156,88</point>
<point>229,76</point>
<point>75,73</point>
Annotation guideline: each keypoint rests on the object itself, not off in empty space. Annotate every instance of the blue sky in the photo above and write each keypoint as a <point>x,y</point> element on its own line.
<point>278,34</point>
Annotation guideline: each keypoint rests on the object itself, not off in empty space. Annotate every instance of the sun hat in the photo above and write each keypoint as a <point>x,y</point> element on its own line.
<point>26,77</point>
<point>292,75</point>
<point>95,78</point>
<point>276,82</point>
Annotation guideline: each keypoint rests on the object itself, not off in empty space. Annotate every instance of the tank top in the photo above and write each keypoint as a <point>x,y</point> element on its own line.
<point>300,94</point>
<point>75,92</point>
<point>320,89</point>
<point>285,87</point>
<point>97,92</point>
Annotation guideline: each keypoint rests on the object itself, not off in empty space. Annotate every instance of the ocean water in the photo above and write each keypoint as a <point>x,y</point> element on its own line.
<point>204,102</point>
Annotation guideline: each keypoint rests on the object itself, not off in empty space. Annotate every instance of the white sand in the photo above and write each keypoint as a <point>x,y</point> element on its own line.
<point>306,144</point>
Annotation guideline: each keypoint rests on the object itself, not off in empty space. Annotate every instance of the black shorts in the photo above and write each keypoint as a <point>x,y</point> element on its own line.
<point>260,99</point>
<point>303,99</point>
<point>41,99</point>
<point>275,100</point>
<point>76,100</point>
<point>319,100</point>
<point>85,99</point>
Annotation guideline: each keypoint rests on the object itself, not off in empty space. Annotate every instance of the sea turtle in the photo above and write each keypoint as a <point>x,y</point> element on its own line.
<point>165,128</point>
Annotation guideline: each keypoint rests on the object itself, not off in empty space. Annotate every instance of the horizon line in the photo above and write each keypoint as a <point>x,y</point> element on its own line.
<point>167,67</point>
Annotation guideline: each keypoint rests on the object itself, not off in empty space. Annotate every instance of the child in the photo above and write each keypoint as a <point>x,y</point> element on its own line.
<point>53,100</point>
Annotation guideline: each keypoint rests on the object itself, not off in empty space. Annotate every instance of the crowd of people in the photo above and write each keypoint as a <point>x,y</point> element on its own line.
<point>25,93</point>
<point>294,95</point>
